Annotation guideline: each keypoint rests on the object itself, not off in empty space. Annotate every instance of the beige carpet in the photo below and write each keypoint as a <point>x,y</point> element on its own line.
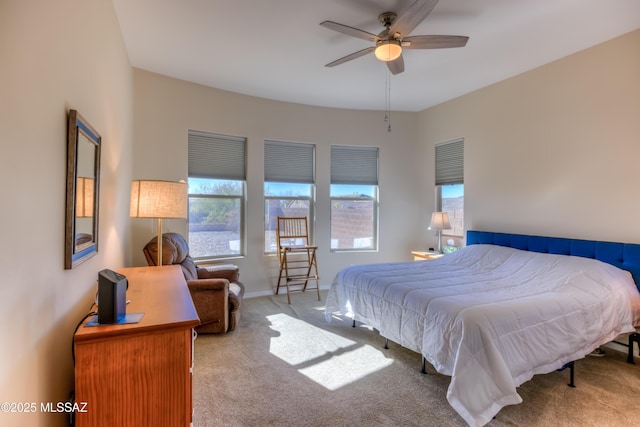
<point>286,366</point>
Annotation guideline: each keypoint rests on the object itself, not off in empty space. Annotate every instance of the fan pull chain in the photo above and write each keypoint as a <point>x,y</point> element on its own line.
<point>386,96</point>
<point>387,116</point>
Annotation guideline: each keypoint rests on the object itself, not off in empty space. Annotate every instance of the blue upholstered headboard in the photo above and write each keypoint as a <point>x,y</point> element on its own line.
<point>622,255</point>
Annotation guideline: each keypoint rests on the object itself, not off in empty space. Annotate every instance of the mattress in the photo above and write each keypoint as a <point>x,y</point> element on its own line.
<point>491,317</point>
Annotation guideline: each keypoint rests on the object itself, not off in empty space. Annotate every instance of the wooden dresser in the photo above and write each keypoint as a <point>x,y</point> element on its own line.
<point>140,374</point>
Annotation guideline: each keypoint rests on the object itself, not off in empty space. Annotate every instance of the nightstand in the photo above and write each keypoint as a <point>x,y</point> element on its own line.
<point>422,255</point>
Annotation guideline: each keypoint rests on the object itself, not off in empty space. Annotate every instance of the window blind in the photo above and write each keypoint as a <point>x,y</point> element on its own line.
<point>217,156</point>
<point>450,162</point>
<point>354,165</point>
<point>288,162</point>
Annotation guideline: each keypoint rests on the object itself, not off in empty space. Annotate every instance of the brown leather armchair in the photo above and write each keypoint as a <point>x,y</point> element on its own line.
<point>215,290</point>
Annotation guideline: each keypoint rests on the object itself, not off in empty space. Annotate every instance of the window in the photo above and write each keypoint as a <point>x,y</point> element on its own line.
<point>288,186</point>
<point>285,199</point>
<point>450,184</point>
<point>216,195</point>
<point>451,200</point>
<point>354,211</point>
<point>354,198</point>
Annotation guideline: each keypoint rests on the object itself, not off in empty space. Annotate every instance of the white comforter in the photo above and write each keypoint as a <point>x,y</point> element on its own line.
<point>491,317</point>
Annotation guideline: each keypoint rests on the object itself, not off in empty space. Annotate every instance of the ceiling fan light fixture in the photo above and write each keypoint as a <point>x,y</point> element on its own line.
<point>388,50</point>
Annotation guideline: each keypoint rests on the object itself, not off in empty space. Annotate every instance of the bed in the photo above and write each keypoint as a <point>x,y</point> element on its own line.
<point>495,313</point>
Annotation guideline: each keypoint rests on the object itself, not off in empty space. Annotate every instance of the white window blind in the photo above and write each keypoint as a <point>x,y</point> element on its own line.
<point>217,156</point>
<point>354,165</point>
<point>450,162</point>
<point>288,162</point>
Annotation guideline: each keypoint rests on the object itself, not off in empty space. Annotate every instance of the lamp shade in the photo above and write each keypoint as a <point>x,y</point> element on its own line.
<point>158,199</point>
<point>85,188</point>
<point>388,50</point>
<point>440,221</point>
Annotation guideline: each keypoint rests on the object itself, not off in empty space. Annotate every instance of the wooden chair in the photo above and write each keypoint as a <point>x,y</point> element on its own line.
<point>298,264</point>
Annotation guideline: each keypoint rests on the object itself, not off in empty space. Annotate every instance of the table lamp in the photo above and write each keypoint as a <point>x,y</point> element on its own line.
<point>439,222</point>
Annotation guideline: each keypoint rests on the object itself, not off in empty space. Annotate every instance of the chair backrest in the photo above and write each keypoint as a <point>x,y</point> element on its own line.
<point>174,251</point>
<point>292,231</point>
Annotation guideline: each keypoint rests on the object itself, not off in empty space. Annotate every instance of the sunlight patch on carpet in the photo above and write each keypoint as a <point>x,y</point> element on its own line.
<point>324,357</point>
<point>347,368</point>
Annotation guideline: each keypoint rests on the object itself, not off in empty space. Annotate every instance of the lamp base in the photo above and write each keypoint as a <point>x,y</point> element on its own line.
<point>159,261</point>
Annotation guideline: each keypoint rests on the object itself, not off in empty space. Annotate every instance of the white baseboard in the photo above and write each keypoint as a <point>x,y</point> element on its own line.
<point>622,348</point>
<point>273,292</point>
<point>616,347</point>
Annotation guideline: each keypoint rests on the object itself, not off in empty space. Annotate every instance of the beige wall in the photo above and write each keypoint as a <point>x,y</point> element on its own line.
<point>553,151</point>
<point>54,56</point>
<point>165,108</point>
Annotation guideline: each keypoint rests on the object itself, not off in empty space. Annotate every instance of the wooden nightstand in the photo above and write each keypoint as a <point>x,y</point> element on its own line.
<point>422,255</point>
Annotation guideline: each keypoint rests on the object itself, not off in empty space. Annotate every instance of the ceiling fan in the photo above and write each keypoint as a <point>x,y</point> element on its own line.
<point>390,42</point>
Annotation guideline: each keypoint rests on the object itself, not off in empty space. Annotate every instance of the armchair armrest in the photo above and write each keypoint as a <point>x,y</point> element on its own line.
<point>210,297</point>
<point>230,272</point>
<point>208,285</point>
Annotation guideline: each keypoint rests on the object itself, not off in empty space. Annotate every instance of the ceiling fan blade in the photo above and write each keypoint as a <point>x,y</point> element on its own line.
<point>408,20</point>
<point>354,55</point>
<point>396,66</point>
<point>433,42</point>
<point>350,31</point>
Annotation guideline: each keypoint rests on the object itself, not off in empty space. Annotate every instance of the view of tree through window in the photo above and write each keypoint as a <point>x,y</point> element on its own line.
<point>215,217</point>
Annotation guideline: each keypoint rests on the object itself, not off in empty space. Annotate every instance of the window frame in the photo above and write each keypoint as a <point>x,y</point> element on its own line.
<point>310,217</point>
<point>231,165</point>
<point>449,170</point>
<point>278,156</point>
<point>447,232</point>
<point>358,166</point>
<point>242,217</point>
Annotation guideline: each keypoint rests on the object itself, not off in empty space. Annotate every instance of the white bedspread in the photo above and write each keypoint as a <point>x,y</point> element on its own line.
<point>491,317</point>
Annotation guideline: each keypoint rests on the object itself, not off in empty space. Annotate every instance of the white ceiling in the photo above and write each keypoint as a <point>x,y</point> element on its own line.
<point>276,49</point>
